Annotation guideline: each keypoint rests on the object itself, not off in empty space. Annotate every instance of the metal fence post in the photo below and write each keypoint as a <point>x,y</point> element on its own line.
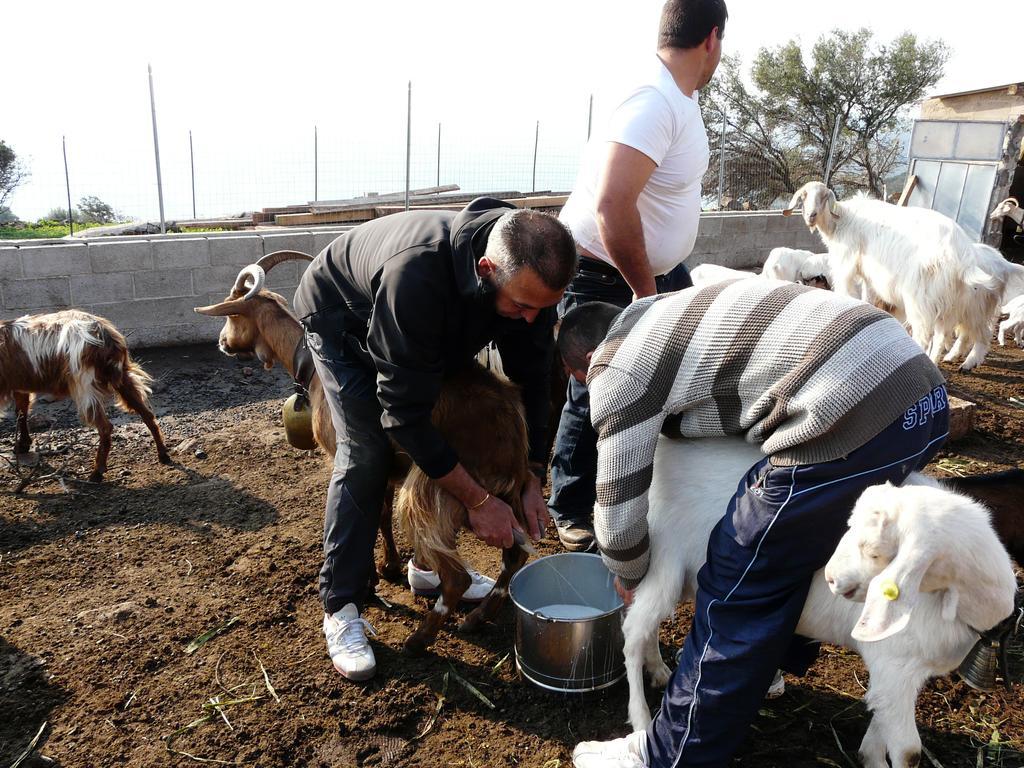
<point>590,115</point>
<point>192,167</point>
<point>67,181</point>
<point>408,142</point>
<point>439,154</point>
<point>536,138</point>
<point>832,151</point>
<point>721,162</point>
<point>156,152</point>
<point>316,165</point>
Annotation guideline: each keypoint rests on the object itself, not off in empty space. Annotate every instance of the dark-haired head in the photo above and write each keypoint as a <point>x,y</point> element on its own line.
<point>687,23</point>
<point>581,332</point>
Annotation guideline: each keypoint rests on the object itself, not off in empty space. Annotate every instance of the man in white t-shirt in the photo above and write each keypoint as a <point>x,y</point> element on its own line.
<point>634,213</point>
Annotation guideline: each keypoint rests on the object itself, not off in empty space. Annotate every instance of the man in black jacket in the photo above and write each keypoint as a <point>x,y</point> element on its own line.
<point>389,308</point>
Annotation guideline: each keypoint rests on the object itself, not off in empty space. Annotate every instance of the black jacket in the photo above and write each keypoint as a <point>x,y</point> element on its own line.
<point>407,291</point>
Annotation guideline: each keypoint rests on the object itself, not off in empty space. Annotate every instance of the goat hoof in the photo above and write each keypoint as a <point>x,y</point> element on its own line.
<point>660,675</point>
<point>471,623</point>
<point>390,571</point>
<point>165,458</point>
<point>96,477</point>
<point>415,645</point>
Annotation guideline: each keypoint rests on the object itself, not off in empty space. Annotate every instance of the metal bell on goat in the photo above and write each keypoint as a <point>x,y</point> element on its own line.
<point>981,665</point>
<point>297,416</point>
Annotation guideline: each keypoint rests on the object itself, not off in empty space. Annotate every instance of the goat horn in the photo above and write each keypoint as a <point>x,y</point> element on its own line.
<point>1013,200</point>
<point>259,277</point>
<point>271,260</point>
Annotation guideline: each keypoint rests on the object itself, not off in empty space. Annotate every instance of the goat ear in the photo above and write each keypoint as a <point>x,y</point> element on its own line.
<point>833,204</point>
<point>893,593</point>
<point>796,202</point>
<point>230,307</point>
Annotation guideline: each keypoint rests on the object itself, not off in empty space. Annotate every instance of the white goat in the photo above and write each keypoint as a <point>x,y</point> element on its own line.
<point>706,274</point>
<point>915,260</point>
<point>1014,323</point>
<point>692,483</point>
<point>798,266</point>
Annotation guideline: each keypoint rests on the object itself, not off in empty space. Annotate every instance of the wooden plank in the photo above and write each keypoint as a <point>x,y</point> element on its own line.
<point>365,213</point>
<point>235,223</point>
<point>387,197</point>
<point>908,187</point>
<point>419,200</point>
<point>330,217</point>
<point>286,209</point>
<point>537,201</point>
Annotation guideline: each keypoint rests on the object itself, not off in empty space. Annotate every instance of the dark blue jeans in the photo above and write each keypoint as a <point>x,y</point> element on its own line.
<point>574,463</point>
<point>362,463</point>
<point>781,526</point>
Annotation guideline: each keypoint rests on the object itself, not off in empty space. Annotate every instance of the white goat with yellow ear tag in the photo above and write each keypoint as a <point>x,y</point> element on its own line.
<point>903,541</point>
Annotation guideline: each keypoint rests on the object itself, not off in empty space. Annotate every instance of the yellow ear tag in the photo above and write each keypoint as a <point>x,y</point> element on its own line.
<point>890,591</point>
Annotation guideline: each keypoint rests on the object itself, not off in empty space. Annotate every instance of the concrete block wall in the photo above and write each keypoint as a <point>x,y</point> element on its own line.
<point>148,284</point>
<point>743,239</point>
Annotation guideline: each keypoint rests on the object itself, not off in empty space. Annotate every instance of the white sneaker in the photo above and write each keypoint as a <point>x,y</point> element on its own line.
<point>778,686</point>
<point>428,584</point>
<point>627,752</point>
<point>347,645</point>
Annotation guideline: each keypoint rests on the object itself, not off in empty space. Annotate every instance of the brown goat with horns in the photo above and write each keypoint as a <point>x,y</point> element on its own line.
<point>77,355</point>
<point>474,407</point>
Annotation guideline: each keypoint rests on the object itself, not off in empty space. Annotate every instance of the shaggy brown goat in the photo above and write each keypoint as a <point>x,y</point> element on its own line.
<point>77,355</point>
<point>473,408</point>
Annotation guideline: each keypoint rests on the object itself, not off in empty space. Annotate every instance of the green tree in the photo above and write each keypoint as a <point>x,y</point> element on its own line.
<point>61,215</point>
<point>786,121</point>
<point>95,211</point>
<point>12,172</point>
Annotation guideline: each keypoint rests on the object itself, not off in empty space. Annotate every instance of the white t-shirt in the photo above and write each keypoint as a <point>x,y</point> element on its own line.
<point>657,119</point>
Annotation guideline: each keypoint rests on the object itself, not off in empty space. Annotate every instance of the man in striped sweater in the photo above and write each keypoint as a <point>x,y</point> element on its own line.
<point>839,397</point>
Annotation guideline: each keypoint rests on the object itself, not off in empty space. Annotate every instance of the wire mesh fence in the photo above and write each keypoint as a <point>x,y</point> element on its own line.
<point>221,170</point>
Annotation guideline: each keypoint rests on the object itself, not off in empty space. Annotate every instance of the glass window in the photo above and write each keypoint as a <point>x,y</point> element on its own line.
<point>949,189</point>
<point>980,141</point>
<point>933,139</point>
<point>974,206</point>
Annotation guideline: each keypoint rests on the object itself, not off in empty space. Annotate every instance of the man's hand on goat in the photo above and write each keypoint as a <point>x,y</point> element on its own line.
<point>535,510</point>
<point>625,594</point>
<point>493,522</point>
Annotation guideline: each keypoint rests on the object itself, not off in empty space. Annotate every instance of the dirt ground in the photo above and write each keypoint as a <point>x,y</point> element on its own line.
<point>102,588</point>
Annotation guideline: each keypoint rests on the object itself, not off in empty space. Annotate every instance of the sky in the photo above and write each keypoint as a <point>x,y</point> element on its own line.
<point>252,81</point>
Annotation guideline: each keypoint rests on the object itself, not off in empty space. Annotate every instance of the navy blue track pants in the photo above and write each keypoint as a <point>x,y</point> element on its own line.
<point>781,526</point>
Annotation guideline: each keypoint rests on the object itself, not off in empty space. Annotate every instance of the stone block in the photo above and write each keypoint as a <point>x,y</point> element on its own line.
<point>149,313</point>
<point>776,222</point>
<point>121,257</point>
<point>181,252</point>
<point>236,251</point>
<point>297,241</point>
<point>709,226</point>
<point>215,279</point>
<point>742,224</point>
<point>10,264</point>
<point>39,295</point>
<point>163,283</point>
<point>961,417</point>
<point>102,289</point>
<point>322,239</point>
<point>55,260</point>
<point>166,335</point>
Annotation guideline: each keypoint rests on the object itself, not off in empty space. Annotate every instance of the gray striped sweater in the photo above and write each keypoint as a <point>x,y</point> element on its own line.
<point>806,373</point>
